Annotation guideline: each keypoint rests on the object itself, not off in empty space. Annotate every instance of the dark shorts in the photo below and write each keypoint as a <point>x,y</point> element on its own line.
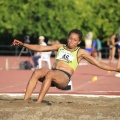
<point>52,84</point>
<point>63,72</point>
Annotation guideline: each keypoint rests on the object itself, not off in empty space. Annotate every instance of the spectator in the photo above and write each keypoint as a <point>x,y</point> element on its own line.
<point>94,48</point>
<point>111,43</point>
<point>119,49</point>
<point>37,55</point>
<point>88,42</point>
<point>99,48</point>
<point>118,45</point>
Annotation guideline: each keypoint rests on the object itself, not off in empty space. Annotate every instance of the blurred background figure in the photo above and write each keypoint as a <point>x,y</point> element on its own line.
<point>25,50</point>
<point>37,55</point>
<point>118,46</point>
<point>27,39</point>
<point>112,48</point>
<point>45,57</point>
<point>88,42</point>
<point>99,48</point>
<point>94,48</point>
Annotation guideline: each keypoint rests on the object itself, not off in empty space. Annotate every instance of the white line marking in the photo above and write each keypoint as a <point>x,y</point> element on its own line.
<point>21,95</point>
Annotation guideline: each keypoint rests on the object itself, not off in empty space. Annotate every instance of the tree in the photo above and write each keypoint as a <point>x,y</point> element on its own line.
<point>54,19</point>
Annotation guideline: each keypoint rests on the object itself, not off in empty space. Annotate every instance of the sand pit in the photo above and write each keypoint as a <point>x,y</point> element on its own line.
<point>62,107</point>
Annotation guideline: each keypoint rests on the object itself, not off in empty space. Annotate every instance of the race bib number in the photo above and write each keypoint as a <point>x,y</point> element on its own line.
<point>65,56</point>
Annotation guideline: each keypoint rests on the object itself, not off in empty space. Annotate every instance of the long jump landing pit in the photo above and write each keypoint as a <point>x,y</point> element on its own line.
<point>60,107</point>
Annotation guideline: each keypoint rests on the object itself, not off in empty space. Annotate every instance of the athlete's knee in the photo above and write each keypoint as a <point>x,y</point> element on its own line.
<point>36,73</point>
<point>49,75</point>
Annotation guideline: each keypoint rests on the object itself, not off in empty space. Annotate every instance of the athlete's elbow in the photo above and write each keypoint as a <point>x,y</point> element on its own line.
<point>83,56</point>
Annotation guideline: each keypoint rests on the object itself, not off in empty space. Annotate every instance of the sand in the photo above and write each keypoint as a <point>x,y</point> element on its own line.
<point>62,107</point>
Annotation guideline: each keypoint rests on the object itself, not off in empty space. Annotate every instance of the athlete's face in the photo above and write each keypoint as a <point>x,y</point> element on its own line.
<point>73,40</point>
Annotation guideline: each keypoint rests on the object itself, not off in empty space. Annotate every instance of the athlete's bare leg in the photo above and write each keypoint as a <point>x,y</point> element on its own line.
<point>37,74</point>
<point>113,55</point>
<point>52,76</point>
<point>110,52</point>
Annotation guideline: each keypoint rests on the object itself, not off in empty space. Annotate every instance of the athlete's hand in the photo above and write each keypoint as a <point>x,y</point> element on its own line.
<point>17,43</point>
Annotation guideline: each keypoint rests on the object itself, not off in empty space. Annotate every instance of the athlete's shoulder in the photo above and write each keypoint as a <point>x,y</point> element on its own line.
<point>82,52</point>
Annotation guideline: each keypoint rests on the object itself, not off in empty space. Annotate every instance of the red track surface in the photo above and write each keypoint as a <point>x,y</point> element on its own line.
<point>15,80</point>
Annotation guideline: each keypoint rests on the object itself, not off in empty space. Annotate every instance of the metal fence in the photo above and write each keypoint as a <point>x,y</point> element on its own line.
<point>16,50</point>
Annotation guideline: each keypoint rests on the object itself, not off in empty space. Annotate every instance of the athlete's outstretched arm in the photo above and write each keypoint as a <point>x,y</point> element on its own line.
<point>96,62</point>
<point>36,47</point>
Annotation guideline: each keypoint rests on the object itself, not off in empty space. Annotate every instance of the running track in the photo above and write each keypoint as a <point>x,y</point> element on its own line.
<point>15,80</point>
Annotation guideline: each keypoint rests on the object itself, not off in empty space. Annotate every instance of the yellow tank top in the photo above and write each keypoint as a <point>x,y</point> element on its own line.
<point>67,56</point>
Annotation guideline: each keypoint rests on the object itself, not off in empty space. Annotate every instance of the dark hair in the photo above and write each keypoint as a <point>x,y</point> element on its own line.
<point>77,32</point>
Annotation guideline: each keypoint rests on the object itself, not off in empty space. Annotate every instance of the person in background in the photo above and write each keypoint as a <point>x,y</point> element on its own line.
<point>94,48</point>
<point>37,55</point>
<point>88,42</point>
<point>27,39</point>
<point>99,48</point>
<point>118,46</point>
<point>112,48</point>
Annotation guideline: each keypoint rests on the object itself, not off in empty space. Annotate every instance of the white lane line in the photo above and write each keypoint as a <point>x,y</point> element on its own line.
<point>14,95</point>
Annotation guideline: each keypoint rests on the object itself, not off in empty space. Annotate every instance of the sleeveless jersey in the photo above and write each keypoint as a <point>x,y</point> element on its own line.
<point>67,56</point>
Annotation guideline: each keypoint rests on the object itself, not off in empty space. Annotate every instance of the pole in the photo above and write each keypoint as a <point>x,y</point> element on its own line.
<point>6,64</point>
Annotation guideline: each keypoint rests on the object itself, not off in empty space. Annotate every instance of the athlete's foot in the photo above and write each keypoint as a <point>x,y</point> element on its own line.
<point>38,102</point>
<point>25,99</point>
